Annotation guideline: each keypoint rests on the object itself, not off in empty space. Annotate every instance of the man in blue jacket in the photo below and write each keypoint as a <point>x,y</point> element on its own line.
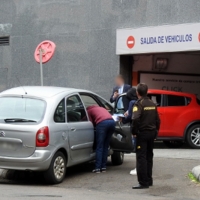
<point>120,88</point>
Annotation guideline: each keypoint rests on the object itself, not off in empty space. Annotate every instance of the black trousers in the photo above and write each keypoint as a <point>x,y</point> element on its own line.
<point>144,156</point>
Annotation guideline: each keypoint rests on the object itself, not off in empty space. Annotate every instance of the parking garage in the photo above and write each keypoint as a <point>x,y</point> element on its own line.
<point>164,57</point>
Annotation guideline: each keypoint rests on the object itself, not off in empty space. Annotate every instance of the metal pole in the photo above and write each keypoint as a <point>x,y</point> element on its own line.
<point>41,67</point>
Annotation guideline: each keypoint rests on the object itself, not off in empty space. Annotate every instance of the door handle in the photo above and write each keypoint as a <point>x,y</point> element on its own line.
<point>73,129</point>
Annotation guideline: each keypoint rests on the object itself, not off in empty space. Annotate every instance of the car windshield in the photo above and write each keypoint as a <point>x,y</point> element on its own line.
<point>19,109</point>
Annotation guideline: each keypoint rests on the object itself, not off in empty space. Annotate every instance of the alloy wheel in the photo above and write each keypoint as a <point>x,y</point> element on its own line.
<point>59,167</point>
<point>122,156</point>
<point>195,137</point>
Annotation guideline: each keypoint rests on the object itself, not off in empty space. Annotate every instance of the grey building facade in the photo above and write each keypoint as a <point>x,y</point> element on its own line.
<point>84,32</point>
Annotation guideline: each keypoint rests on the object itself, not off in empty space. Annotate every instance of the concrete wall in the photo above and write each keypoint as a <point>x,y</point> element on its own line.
<point>84,32</point>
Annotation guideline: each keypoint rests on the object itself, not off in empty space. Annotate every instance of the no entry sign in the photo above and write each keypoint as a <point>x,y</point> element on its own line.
<point>130,42</point>
<point>43,53</point>
<point>47,49</point>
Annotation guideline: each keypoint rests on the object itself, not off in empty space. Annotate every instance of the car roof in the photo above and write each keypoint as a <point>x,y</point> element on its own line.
<point>169,92</point>
<point>40,91</point>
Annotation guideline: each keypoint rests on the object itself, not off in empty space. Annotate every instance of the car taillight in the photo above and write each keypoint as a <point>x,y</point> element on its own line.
<point>42,137</point>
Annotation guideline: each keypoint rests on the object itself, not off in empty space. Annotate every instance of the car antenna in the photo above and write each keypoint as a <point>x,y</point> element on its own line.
<point>21,85</point>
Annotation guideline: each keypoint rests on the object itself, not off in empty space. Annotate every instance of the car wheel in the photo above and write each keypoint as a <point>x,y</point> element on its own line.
<point>57,170</point>
<point>117,158</point>
<point>193,136</point>
<point>173,143</point>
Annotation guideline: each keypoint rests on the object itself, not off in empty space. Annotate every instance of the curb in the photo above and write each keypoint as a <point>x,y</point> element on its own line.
<point>196,172</point>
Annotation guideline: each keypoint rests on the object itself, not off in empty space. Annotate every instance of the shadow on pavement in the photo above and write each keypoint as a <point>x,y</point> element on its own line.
<point>161,145</point>
<point>36,178</point>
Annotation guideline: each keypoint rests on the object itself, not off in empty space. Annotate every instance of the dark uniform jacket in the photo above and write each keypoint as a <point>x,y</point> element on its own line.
<point>145,117</point>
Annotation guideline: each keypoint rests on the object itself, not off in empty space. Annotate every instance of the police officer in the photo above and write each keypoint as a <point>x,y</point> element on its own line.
<point>146,124</point>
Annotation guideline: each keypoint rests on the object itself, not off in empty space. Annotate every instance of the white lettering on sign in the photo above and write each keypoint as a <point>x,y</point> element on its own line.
<point>182,37</point>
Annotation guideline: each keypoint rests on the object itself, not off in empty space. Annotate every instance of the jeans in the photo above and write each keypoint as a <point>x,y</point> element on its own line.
<point>104,131</point>
<point>134,140</point>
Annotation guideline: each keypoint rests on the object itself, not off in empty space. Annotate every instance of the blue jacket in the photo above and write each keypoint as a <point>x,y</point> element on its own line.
<point>125,89</point>
<point>130,112</point>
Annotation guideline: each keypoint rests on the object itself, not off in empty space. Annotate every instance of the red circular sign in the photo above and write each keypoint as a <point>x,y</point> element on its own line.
<point>199,37</point>
<point>130,42</point>
<point>47,48</point>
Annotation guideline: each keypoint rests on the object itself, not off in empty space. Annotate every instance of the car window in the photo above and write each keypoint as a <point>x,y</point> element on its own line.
<point>88,100</point>
<point>173,100</point>
<point>75,109</point>
<point>59,115</point>
<point>23,108</point>
<point>188,100</point>
<point>198,101</point>
<point>106,105</point>
<point>156,98</point>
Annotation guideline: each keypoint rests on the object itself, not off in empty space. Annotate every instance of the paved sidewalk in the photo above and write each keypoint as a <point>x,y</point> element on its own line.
<point>170,183</point>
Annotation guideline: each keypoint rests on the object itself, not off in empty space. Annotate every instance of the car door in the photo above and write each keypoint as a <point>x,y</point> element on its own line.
<point>81,132</point>
<point>158,99</point>
<point>121,139</point>
<point>176,107</point>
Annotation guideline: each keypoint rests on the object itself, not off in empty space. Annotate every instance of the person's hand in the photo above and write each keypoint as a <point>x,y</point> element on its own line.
<point>126,114</point>
<point>120,119</point>
<point>116,94</point>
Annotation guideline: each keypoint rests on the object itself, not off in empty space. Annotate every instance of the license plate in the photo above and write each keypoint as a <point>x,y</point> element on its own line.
<point>7,146</point>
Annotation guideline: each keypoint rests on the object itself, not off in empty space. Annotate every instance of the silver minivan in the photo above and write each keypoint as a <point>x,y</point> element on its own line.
<point>47,129</point>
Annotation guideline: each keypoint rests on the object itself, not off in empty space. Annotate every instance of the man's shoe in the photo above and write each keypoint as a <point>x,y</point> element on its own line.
<point>140,187</point>
<point>133,172</point>
<point>97,171</point>
<point>103,170</point>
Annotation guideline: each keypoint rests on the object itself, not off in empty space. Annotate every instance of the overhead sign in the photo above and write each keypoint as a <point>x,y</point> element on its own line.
<point>182,37</point>
<point>172,82</point>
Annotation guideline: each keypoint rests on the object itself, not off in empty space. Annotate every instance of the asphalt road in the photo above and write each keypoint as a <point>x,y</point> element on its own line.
<point>171,167</point>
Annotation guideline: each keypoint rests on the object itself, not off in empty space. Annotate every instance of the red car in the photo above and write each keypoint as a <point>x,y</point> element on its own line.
<point>180,117</point>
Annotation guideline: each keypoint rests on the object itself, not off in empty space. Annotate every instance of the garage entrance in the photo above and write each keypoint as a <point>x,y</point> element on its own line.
<point>164,57</point>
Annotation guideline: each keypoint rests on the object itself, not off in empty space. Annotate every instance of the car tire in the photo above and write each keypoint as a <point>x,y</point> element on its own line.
<point>173,143</point>
<point>57,169</point>
<point>117,158</point>
<point>193,135</point>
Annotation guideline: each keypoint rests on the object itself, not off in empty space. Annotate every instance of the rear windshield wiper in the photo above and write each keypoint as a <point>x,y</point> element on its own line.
<point>18,120</point>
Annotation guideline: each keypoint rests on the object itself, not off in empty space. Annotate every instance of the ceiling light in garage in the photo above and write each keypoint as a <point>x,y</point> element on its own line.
<point>161,63</point>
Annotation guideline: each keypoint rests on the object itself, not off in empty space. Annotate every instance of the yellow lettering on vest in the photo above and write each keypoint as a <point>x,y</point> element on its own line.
<point>150,108</point>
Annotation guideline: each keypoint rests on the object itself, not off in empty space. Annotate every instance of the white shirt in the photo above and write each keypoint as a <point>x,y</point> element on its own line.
<point>120,103</point>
